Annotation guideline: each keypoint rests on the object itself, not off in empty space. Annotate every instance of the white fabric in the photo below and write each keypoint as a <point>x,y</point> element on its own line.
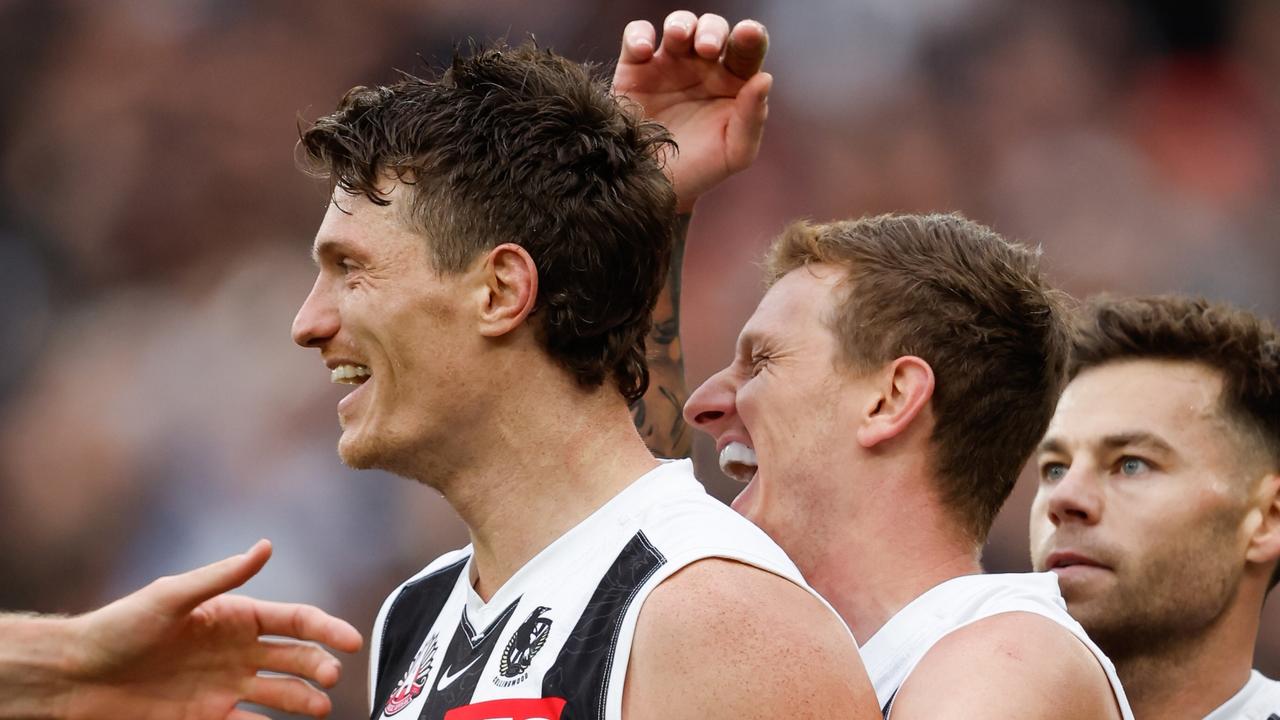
<point>678,519</point>
<point>895,650</point>
<point>1259,699</point>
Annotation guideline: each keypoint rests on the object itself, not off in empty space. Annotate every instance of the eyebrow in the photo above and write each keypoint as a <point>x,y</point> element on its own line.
<point>325,247</point>
<point>748,340</point>
<point>1113,441</point>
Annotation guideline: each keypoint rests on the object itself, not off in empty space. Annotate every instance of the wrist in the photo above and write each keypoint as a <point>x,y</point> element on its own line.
<point>36,667</point>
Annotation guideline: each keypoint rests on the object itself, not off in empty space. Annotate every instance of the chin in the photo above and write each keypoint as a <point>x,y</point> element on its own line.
<point>361,453</point>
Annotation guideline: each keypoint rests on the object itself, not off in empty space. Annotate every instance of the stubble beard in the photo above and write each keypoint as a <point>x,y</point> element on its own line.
<point>1167,605</point>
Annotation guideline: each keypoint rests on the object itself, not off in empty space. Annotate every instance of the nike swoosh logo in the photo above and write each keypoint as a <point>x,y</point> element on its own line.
<point>447,678</point>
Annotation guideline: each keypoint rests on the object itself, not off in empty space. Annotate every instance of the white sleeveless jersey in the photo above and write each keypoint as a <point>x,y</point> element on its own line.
<point>553,642</point>
<point>895,650</point>
<point>1259,699</point>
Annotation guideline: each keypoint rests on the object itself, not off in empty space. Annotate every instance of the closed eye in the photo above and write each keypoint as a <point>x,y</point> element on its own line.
<point>757,364</point>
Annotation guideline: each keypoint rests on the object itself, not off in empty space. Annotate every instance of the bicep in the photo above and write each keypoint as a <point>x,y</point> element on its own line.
<point>1013,665</point>
<point>724,640</point>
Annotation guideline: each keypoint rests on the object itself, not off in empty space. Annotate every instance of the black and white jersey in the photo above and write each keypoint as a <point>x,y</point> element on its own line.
<point>897,647</point>
<point>1259,699</point>
<point>552,643</point>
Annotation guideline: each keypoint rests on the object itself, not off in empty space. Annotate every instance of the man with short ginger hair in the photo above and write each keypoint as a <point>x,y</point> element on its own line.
<point>883,396</point>
<point>1159,499</point>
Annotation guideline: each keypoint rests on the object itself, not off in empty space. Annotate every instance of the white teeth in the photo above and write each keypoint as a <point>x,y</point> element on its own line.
<point>738,461</point>
<point>349,374</point>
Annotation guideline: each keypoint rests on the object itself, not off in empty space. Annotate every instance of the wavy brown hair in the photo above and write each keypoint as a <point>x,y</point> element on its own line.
<point>977,309</point>
<point>523,146</point>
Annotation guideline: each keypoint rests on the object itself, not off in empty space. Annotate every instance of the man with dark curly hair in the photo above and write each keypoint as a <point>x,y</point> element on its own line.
<point>1159,499</point>
<point>489,265</point>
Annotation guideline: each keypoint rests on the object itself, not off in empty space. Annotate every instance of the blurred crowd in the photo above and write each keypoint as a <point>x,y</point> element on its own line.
<point>155,235</point>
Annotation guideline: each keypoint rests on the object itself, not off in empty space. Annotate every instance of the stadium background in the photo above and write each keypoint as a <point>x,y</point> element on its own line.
<point>154,237</point>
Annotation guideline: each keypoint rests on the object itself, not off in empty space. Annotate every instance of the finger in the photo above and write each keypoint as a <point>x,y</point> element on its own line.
<point>638,42</point>
<point>304,660</point>
<point>748,44</point>
<point>677,33</point>
<point>238,714</point>
<point>746,126</point>
<point>288,694</point>
<point>304,622</point>
<point>710,35</point>
<point>180,594</point>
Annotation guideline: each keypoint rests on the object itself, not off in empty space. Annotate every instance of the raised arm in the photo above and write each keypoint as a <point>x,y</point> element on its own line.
<point>703,81</point>
<point>178,649</point>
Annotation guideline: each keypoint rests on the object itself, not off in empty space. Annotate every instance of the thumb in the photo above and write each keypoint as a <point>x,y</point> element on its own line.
<point>180,594</point>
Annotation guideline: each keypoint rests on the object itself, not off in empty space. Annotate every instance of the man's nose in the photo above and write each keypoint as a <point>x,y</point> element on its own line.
<point>712,406</point>
<point>1077,497</point>
<point>317,320</point>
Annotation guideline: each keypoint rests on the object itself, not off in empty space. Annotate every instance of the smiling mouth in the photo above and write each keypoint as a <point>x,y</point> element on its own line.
<point>738,462</point>
<point>350,374</point>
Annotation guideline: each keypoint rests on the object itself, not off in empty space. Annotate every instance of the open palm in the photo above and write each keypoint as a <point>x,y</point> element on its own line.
<point>179,648</point>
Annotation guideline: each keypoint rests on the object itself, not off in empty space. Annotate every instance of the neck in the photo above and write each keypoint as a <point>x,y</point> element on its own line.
<point>885,548</point>
<point>1190,677</point>
<point>549,462</point>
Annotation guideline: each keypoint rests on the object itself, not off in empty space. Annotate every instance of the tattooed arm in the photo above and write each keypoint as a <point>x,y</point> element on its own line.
<point>659,414</point>
<point>712,96</point>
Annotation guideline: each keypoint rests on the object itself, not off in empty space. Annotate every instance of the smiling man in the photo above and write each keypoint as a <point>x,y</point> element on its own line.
<point>883,397</point>
<point>1159,499</point>
<point>488,268</point>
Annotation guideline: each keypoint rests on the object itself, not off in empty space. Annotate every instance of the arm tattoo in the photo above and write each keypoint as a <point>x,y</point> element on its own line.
<point>659,415</point>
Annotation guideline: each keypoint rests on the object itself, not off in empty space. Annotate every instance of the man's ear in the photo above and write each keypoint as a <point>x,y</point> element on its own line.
<point>906,386</point>
<point>1264,535</point>
<point>509,289</point>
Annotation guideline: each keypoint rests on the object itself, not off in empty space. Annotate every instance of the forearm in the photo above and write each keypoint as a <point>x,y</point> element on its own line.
<point>659,415</point>
<point>34,667</point>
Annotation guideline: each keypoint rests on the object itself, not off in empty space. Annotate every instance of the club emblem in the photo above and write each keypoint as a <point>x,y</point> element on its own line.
<point>525,643</point>
<point>415,678</point>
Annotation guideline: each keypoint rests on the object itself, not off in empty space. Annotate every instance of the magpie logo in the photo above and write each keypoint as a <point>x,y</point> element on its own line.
<point>415,678</point>
<point>525,643</point>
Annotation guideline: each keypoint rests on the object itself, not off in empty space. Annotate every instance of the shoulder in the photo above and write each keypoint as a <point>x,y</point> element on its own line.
<point>437,577</point>
<point>724,639</point>
<point>419,598</point>
<point>685,523</point>
<point>1268,691</point>
<point>1010,665</point>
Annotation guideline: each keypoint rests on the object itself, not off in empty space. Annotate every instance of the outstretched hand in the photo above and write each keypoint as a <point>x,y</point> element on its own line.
<point>703,81</point>
<point>181,648</point>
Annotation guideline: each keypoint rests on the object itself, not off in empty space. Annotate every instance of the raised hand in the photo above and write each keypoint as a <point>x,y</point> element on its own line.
<point>703,81</point>
<point>181,649</point>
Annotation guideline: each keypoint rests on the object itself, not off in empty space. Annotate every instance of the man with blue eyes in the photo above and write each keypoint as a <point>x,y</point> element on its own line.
<point>1159,500</point>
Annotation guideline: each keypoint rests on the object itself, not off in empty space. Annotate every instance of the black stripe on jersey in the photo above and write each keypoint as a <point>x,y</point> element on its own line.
<point>403,630</point>
<point>884,711</point>
<point>581,670</point>
<point>463,664</point>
